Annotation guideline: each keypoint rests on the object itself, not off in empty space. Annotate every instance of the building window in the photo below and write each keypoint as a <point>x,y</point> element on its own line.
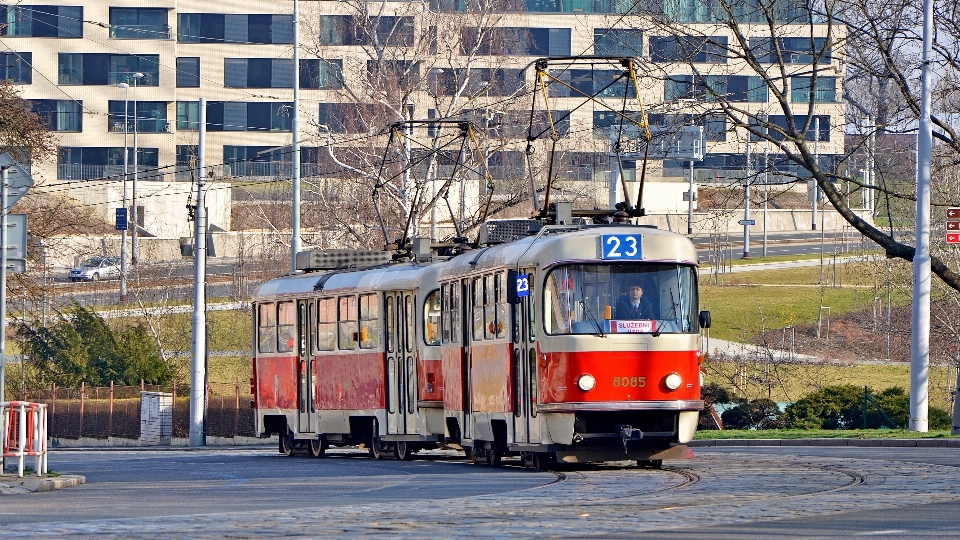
<point>151,116</point>
<point>488,81</point>
<point>42,21</point>
<point>188,115</point>
<point>258,73</point>
<point>249,116</point>
<point>821,121</point>
<point>187,155</point>
<point>320,74</point>
<point>697,49</point>
<point>348,30</point>
<point>617,42</point>
<point>108,69</point>
<point>188,72</point>
<point>733,88</point>
<point>714,125</point>
<point>222,28</point>
<point>16,67</point>
<point>516,41</point>
<point>604,83</point>
<point>802,91</point>
<point>95,162</point>
<point>349,117</point>
<point>59,114</point>
<point>139,23</point>
<point>793,50</point>
<point>403,74</point>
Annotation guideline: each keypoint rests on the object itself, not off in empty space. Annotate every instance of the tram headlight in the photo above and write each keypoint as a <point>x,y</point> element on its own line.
<point>672,381</point>
<point>587,382</point>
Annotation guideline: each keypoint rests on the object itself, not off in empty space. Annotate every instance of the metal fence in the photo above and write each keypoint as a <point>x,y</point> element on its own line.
<point>114,411</point>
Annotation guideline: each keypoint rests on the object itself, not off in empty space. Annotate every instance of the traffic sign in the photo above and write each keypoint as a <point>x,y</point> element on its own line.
<point>121,219</point>
<point>953,238</point>
<point>953,225</point>
<point>16,236</point>
<point>747,222</point>
<point>18,181</point>
<point>953,213</point>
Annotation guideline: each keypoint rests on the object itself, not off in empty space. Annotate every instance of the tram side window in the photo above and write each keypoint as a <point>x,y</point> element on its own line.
<point>532,312</point>
<point>431,319</point>
<point>409,320</point>
<point>477,305</point>
<point>489,308</point>
<point>347,320</point>
<point>369,321</point>
<point>327,324</point>
<point>502,306</point>
<point>456,326</point>
<point>286,326</point>
<point>445,313</point>
<point>267,328</point>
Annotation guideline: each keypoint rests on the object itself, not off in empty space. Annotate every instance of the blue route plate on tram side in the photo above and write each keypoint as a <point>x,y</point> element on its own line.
<point>621,246</point>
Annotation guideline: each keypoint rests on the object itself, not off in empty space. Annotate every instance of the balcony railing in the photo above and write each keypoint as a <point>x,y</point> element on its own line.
<point>140,31</point>
<point>96,172</point>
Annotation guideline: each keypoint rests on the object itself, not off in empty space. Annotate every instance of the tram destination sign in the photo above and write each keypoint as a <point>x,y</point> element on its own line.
<point>621,246</point>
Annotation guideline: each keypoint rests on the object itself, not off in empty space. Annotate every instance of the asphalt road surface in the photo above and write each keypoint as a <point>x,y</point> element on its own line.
<point>725,492</point>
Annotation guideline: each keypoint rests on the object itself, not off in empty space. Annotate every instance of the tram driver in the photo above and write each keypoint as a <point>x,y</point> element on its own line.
<point>632,304</point>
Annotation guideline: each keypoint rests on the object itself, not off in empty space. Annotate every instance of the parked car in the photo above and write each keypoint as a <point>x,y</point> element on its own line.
<point>97,268</point>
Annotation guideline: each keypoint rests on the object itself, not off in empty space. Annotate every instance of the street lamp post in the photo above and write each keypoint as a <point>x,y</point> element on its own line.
<point>126,201</point>
<point>133,210</point>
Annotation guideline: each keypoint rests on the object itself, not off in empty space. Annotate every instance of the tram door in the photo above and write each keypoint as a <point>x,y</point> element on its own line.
<point>526,428</point>
<point>401,363</point>
<point>307,416</point>
<point>466,308</point>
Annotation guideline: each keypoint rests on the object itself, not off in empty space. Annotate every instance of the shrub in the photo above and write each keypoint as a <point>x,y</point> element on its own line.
<point>842,407</point>
<point>760,413</point>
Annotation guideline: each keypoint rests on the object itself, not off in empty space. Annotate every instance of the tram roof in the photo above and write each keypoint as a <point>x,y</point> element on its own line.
<point>404,276</point>
<point>581,245</point>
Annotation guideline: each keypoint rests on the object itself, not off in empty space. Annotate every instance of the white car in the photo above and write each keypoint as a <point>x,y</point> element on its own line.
<point>97,268</point>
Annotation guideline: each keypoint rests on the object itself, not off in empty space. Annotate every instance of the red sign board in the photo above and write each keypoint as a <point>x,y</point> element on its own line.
<point>953,213</point>
<point>953,237</point>
<point>953,225</point>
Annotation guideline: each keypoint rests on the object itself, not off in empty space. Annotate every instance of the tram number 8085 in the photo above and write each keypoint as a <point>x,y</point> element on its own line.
<point>630,382</point>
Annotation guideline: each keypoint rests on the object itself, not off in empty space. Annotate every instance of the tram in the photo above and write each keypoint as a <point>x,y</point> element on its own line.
<point>566,343</point>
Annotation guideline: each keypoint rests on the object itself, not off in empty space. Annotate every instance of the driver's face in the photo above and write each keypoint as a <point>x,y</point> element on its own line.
<point>636,292</point>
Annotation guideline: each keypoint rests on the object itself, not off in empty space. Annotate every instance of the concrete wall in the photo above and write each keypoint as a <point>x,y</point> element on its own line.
<point>164,203</point>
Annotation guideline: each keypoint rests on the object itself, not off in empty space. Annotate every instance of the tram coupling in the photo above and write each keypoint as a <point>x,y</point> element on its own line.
<point>629,433</point>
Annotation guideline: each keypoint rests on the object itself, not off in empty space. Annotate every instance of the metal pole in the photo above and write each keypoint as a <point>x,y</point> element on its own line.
<point>766,191</point>
<point>690,202</point>
<point>816,188</point>
<point>869,179</point>
<point>3,283</point>
<point>920,331</point>
<point>746,206</point>
<point>133,210</point>
<point>295,128</point>
<point>198,436</point>
<point>126,202</point>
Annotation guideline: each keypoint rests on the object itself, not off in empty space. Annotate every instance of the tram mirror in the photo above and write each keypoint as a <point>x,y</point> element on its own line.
<point>704,319</point>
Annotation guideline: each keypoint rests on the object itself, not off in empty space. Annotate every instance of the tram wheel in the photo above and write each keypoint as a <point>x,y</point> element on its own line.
<point>376,447</point>
<point>542,461</point>
<point>285,446</point>
<point>404,450</point>
<point>650,463</point>
<point>317,447</point>
<point>494,457</point>
<point>469,454</point>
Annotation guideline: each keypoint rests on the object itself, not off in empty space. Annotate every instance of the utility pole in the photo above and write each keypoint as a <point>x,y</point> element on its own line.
<point>816,153</point>
<point>198,391</point>
<point>3,283</point>
<point>295,128</point>
<point>133,210</point>
<point>126,201</point>
<point>920,330</point>
<point>766,191</point>
<point>690,202</point>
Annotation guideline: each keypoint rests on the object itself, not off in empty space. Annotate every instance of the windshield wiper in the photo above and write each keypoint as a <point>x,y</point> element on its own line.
<point>596,323</point>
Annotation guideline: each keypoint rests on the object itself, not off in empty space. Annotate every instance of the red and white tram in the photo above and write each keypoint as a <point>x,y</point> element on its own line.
<point>579,343</point>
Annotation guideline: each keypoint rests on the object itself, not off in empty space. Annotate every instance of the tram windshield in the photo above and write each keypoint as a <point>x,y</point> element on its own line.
<point>621,298</point>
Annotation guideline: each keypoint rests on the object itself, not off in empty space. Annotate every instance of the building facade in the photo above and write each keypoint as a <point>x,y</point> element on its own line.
<point>114,74</point>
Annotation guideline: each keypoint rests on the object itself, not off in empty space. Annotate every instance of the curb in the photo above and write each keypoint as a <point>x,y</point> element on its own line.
<point>857,443</point>
<point>33,484</point>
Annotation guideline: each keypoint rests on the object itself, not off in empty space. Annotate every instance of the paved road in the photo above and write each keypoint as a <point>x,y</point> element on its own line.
<point>725,492</point>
